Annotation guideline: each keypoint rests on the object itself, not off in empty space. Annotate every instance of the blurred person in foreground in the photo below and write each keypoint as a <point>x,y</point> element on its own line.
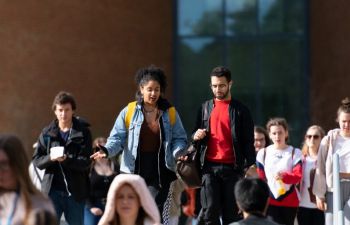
<point>129,202</point>
<point>252,196</point>
<point>21,203</point>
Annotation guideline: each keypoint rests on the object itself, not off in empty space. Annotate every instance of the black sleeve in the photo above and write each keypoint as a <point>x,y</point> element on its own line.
<point>198,121</point>
<point>248,138</point>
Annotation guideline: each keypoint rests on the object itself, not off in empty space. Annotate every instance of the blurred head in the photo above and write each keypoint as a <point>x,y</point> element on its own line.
<point>14,163</point>
<point>220,83</point>
<point>343,117</point>
<point>261,138</point>
<point>151,83</point>
<point>127,202</point>
<point>64,107</point>
<point>252,195</point>
<point>278,131</point>
<point>128,196</point>
<point>14,173</point>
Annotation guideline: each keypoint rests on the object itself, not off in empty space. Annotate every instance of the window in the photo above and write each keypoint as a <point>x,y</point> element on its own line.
<point>264,44</point>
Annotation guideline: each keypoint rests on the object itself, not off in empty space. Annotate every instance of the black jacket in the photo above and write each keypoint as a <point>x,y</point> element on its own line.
<point>78,149</point>
<point>242,130</point>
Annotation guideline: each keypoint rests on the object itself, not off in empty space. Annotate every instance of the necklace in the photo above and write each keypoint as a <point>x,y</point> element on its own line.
<point>150,111</point>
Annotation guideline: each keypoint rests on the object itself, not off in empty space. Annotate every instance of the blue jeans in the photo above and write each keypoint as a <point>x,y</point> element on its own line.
<point>91,219</point>
<point>73,211</point>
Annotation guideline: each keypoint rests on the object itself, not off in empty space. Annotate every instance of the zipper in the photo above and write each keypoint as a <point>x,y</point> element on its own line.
<point>65,180</point>
<point>64,175</point>
<point>160,146</point>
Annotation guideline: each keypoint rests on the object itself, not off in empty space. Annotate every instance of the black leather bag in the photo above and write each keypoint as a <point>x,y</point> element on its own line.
<point>189,170</point>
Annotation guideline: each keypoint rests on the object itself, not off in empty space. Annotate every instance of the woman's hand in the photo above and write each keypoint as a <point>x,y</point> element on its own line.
<point>279,176</point>
<point>98,155</point>
<point>101,153</point>
<point>96,211</point>
<point>321,204</point>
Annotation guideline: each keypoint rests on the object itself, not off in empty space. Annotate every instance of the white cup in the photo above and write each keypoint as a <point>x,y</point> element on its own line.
<point>56,152</point>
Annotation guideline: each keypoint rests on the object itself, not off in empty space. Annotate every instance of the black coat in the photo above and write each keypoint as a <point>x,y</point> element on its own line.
<point>78,149</point>
<point>242,131</point>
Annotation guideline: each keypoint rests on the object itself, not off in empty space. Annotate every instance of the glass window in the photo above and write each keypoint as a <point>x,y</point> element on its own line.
<point>263,42</point>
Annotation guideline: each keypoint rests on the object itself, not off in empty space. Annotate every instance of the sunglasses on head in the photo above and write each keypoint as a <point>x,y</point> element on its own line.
<point>314,136</point>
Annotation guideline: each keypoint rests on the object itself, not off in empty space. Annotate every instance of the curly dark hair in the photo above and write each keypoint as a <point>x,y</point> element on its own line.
<point>150,73</point>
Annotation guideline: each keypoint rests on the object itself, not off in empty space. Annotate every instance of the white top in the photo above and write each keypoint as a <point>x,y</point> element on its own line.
<point>342,147</point>
<point>308,164</point>
<point>278,160</point>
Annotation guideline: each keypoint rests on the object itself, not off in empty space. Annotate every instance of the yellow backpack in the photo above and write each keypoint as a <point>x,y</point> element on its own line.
<point>131,109</point>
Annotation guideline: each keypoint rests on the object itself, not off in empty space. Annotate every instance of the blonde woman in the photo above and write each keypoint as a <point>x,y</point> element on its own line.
<point>308,213</point>
<point>337,140</point>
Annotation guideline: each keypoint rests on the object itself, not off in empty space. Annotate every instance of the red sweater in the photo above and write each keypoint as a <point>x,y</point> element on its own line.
<point>220,144</point>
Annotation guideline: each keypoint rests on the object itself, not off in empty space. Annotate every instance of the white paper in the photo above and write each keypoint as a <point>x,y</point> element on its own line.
<point>56,152</point>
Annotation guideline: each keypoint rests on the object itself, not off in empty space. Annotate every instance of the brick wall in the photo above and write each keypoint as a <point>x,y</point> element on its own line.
<point>89,48</point>
<point>330,59</point>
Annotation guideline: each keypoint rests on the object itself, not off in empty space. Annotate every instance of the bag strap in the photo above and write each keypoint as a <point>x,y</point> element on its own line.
<point>264,157</point>
<point>37,173</point>
<point>172,115</point>
<point>129,112</point>
<point>131,109</point>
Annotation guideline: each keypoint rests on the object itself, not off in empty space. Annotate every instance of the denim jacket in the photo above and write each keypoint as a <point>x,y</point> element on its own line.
<point>120,139</point>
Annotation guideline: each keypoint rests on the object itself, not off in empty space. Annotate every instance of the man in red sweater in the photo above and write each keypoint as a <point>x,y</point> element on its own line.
<point>225,130</point>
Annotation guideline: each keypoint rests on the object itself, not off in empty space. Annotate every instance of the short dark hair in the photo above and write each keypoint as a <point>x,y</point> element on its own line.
<point>62,98</point>
<point>261,130</point>
<point>251,195</point>
<point>221,71</point>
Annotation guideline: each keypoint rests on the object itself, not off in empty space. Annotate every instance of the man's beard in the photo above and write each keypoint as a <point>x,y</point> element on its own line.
<point>223,96</point>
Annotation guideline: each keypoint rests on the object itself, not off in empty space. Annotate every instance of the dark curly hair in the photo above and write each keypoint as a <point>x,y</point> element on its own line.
<point>150,73</point>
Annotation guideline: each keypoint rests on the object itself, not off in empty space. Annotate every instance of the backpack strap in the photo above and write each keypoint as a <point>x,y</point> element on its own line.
<point>264,157</point>
<point>172,115</point>
<point>129,112</point>
<point>37,173</point>
<point>131,109</point>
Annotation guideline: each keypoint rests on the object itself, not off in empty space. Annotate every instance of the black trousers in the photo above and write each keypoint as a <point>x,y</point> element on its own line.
<point>282,215</point>
<point>310,216</point>
<point>217,194</point>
